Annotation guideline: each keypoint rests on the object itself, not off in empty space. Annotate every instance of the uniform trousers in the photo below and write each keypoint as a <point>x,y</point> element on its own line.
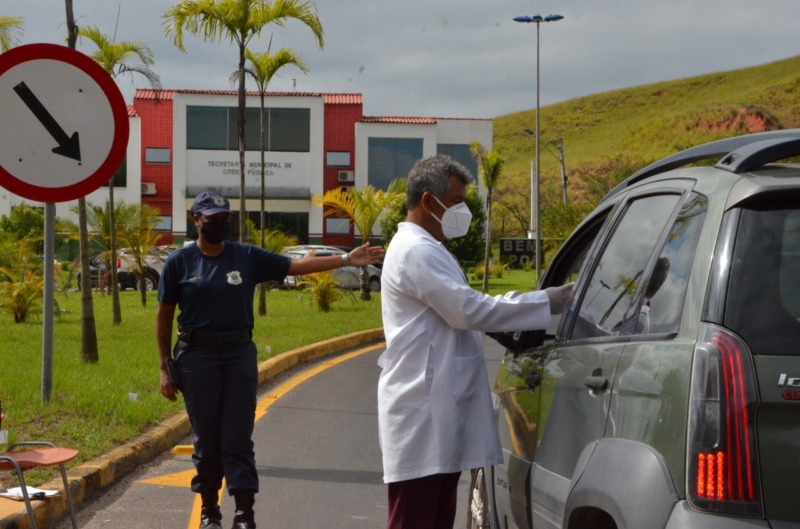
<point>219,385</point>
<point>428,502</point>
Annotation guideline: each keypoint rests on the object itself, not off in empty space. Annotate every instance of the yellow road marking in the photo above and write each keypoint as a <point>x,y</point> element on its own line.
<point>182,450</point>
<point>184,478</point>
<point>178,479</point>
<point>269,399</point>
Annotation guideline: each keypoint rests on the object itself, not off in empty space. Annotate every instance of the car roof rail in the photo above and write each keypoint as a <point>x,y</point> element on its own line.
<point>773,145</point>
<point>756,154</point>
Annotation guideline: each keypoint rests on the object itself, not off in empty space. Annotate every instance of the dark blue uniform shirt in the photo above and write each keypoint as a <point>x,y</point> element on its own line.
<point>216,293</point>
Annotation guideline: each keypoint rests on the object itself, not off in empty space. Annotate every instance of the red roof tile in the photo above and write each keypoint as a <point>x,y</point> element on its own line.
<point>147,93</point>
<point>408,120</point>
<point>330,99</point>
<point>343,99</point>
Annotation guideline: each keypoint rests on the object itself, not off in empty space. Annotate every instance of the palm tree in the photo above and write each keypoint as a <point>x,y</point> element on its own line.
<point>89,352</point>
<point>113,58</point>
<point>490,169</point>
<point>363,208</point>
<point>238,21</point>
<point>262,68</point>
<point>139,236</point>
<point>274,241</point>
<point>10,32</point>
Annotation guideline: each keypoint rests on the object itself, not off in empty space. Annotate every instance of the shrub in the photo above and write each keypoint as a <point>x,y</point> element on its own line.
<point>323,289</point>
<point>496,270</point>
<point>19,298</point>
<point>477,272</point>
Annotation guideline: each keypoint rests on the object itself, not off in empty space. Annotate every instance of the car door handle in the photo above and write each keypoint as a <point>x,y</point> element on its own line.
<point>598,383</point>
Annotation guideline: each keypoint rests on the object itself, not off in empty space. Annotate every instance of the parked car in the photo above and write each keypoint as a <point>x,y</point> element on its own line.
<point>668,393</point>
<point>126,275</point>
<point>94,267</point>
<point>346,276</point>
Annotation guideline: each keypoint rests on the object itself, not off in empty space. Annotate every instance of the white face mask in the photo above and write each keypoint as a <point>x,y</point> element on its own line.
<point>455,220</point>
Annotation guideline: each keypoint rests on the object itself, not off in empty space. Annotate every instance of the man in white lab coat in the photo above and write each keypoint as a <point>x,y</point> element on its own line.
<point>434,402</point>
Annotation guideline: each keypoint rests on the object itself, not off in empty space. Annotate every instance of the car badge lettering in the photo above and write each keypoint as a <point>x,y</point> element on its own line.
<point>234,278</point>
<point>787,381</point>
<point>791,394</point>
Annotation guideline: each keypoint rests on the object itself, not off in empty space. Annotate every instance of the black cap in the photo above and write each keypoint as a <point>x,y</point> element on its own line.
<point>210,203</point>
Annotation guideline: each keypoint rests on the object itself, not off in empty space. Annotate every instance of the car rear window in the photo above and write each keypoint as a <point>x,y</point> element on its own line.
<point>763,296</point>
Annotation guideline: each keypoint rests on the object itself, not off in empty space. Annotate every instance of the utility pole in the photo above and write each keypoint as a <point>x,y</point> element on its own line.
<point>559,145</point>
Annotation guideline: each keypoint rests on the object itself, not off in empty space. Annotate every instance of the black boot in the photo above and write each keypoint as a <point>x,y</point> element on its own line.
<point>210,517</point>
<point>244,517</point>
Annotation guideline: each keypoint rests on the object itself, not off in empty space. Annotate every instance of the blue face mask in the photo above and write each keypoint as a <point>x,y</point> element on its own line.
<point>455,220</point>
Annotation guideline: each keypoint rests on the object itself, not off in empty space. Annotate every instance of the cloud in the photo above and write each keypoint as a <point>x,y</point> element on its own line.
<point>455,58</point>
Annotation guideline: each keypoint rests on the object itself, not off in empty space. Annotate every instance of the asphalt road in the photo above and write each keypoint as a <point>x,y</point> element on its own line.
<point>317,451</point>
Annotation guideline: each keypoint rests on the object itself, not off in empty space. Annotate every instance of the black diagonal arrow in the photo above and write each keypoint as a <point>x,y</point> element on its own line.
<point>68,146</point>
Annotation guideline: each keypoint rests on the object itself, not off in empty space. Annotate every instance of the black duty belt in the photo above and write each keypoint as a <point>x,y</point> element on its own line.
<point>201,337</point>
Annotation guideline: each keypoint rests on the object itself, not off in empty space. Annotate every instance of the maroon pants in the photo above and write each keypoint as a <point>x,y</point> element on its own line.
<point>423,503</point>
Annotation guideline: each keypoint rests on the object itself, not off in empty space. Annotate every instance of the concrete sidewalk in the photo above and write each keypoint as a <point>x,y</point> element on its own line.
<point>92,476</point>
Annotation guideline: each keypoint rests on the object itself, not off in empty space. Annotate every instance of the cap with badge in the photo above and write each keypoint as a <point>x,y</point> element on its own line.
<point>210,203</point>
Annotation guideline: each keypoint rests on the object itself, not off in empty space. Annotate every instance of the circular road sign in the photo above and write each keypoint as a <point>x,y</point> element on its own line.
<point>65,123</point>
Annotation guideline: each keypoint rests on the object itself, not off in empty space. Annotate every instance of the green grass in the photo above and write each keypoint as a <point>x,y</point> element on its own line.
<point>650,121</point>
<point>90,408</point>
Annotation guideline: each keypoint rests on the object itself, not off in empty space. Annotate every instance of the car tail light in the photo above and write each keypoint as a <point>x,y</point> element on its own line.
<point>723,461</point>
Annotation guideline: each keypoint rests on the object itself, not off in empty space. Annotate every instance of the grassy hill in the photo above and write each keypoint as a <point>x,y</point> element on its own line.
<point>619,130</point>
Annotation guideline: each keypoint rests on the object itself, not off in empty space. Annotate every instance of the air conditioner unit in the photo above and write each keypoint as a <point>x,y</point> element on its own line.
<point>148,188</point>
<point>346,176</point>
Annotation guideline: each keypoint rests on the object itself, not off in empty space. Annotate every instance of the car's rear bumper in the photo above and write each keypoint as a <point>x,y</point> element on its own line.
<point>685,517</point>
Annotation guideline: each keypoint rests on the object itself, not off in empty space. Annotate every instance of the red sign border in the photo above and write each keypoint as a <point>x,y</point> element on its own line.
<point>119,109</point>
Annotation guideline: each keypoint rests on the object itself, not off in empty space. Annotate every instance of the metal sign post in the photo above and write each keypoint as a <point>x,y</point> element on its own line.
<point>65,134</point>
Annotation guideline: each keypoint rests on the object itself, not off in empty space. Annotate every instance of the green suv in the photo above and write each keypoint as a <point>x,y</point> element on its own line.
<point>667,395</point>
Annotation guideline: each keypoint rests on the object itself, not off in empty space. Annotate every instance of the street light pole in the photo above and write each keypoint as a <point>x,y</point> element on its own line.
<point>537,19</point>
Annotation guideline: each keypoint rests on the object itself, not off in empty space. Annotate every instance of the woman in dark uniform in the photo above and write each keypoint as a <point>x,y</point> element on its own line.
<point>213,284</point>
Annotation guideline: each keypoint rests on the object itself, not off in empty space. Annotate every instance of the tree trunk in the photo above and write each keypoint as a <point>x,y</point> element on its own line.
<point>89,352</point>
<point>262,288</point>
<point>116,317</point>
<point>242,168</point>
<point>488,236</point>
<point>363,280</point>
<point>142,282</point>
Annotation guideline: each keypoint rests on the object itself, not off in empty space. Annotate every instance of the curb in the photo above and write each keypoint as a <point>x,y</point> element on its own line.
<point>96,474</point>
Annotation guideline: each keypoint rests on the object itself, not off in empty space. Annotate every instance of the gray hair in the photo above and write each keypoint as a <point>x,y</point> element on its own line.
<point>432,174</point>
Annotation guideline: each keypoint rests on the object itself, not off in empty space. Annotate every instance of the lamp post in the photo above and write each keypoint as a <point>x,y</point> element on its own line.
<point>536,227</point>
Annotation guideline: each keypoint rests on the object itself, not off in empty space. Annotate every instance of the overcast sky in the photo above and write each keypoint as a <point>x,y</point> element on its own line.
<point>457,58</point>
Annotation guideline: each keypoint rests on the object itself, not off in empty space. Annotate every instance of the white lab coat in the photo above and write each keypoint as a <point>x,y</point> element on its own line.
<point>435,410</point>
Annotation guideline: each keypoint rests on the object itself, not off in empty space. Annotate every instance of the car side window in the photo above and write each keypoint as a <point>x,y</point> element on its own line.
<point>617,274</point>
<point>661,307</point>
<point>564,269</point>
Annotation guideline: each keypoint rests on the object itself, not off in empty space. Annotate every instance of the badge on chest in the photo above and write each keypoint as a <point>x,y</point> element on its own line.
<point>234,277</point>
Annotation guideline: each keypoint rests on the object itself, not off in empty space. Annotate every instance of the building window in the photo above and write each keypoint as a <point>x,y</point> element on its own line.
<point>337,159</point>
<point>289,129</point>
<point>391,158</point>
<point>337,226</point>
<point>156,155</point>
<point>216,128</point>
<point>460,153</point>
<point>207,128</point>
<point>120,178</point>
<point>252,130</point>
